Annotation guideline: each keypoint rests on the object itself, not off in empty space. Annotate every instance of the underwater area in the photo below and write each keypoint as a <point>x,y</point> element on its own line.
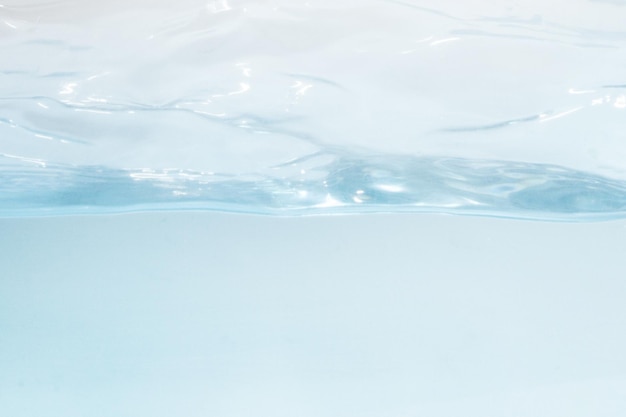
<point>314,208</point>
<point>210,314</point>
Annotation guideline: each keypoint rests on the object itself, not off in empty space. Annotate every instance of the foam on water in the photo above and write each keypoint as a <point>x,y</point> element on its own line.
<point>310,107</point>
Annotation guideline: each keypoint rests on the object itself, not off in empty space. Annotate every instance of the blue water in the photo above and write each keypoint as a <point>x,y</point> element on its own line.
<point>314,107</point>
<point>292,108</point>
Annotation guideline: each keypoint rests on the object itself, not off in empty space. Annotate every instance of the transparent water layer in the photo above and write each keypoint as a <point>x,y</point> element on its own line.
<point>503,108</point>
<point>223,315</point>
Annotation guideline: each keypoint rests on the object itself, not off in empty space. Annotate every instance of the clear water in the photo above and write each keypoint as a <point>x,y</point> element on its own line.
<point>210,314</point>
<point>497,108</point>
<point>503,108</point>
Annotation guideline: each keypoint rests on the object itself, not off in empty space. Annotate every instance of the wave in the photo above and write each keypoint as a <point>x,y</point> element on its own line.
<point>323,184</point>
<point>304,108</point>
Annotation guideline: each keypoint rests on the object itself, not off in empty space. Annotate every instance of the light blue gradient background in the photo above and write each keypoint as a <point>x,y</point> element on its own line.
<point>203,314</point>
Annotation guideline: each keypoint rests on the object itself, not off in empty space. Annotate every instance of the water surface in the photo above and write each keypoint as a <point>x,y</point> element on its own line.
<point>310,107</point>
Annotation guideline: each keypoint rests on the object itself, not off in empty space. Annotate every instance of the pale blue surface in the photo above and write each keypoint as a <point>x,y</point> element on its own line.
<point>392,315</point>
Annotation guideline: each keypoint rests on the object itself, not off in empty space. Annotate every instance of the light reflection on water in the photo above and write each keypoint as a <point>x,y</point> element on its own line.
<point>280,107</point>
